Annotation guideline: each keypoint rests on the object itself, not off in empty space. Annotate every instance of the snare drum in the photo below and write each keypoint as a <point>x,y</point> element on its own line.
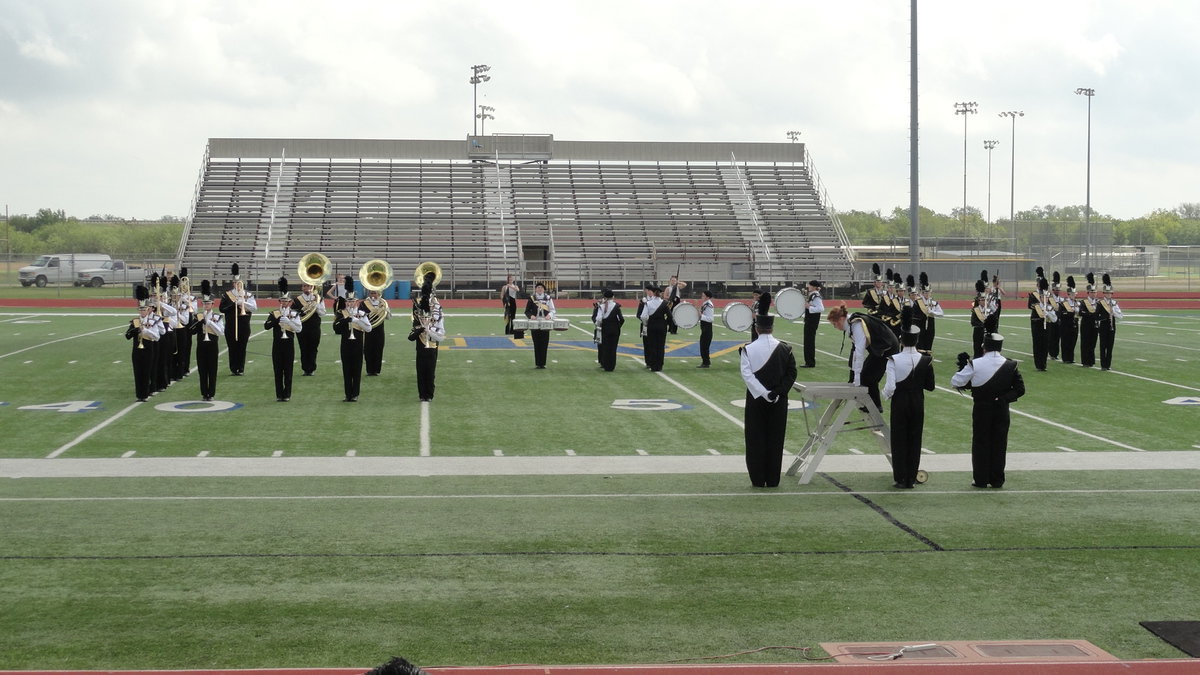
<point>561,324</point>
<point>738,316</point>
<point>685,315</point>
<point>521,324</point>
<point>789,302</point>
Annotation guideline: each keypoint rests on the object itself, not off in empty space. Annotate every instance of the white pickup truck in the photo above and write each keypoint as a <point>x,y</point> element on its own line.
<point>111,272</point>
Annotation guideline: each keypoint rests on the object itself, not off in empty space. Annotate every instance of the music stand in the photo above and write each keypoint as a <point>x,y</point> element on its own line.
<point>846,404</point>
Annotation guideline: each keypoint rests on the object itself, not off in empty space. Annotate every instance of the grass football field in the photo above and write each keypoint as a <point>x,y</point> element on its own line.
<point>130,571</point>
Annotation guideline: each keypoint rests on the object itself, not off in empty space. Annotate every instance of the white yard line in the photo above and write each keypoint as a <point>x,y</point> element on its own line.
<point>50,342</point>
<point>424,434</point>
<point>698,397</point>
<point>87,434</point>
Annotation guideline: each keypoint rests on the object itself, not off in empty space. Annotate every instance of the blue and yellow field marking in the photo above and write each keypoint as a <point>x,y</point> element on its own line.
<point>675,348</point>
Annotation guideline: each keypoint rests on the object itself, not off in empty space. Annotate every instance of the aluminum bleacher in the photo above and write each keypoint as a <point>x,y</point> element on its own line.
<point>583,213</point>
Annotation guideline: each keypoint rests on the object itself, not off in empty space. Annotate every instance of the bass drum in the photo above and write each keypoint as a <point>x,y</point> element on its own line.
<point>685,315</point>
<point>789,303</point>
<point>738,317</point>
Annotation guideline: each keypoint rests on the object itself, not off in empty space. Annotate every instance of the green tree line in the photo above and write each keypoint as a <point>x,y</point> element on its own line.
<point>51,231</point>
<point>1163,227</point>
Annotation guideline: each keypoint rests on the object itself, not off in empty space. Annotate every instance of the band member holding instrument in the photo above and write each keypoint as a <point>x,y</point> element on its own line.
<point>872,341</point>
<point>606,314</point>
<point>377,311</point>
<point>672,296</point>
<point>208,327</point>
<point>185,304</point>
<point>1053,336</point>
<point>706,327</point>
<point>1087,324</point>
<point>428,330</point>
<point>1068,322</point>
<point>144,330</point>
<point>909,375</point>
<point>1108,312</point>
<point>814,307</point>
<point>654,318</point>
<point>873,297</point>
<point>285,326</point>
<point>165,354</point>
<point>768,369</point>
<point>351,323</point>
<point>237,305</point>
<point>311,307</point>
<point>1041,312</point>
<point>995,382</point>
<point>540,306</point>
<point>755,297</point>
<point>893,303</point>
<point>981,312</point>
<point>925,306</point>
<point>508,297</point>
<point>997,299</point>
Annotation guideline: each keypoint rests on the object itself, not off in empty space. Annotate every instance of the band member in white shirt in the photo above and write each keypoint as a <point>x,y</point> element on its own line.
<point>813,309</point>
<point>606,314</point>
<point>508,298</point>
<point>208,329</point>
<point>285,326</point>
<point>351,323</point>
<point>909,375</point>
<point>540,306</point>
<point>428,331</point>
<point>768,369</point>
<point>237,305</point>
<point>706,327</point>
<point>144,330</point>
<point>654,318</point>
<point>995,382</point>
<point>311,307</point>
<point>378,312</point>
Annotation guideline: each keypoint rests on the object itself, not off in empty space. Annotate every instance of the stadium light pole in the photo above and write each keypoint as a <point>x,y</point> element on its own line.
<point>1087,208</point>
<point>1012,220</point>
<point>794,135</point>
<point>966,110</point>
<point>477,76</point>
<point>485,114</point>
<point>989,146</point>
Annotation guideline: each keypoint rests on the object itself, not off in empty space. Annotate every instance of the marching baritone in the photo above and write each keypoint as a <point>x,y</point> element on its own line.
<point>185,304</point>
<point>926,311</point>
<point>377,311</point>
<point>1087,324</point>
<point>1053,337</point>
<point>428,330</point>
<point>1041,313</point>
<point>508,298</point>
<point>706,327</point>
<point>144,330</point>
<point>654,319</point>
<point>1068,322</point>
<point>540,306</point>
<point>208,327</point>
<point>606,314</point>
<point>311,307</point>
<point>768,369</point>
<point>285,326</point>
<point>995,382</point>
<point>673,297</point>
<point>909,375</point>
<point>351,323</point>
<point>1108,312</point>
<point>814,308</point>
<point>237,304</point>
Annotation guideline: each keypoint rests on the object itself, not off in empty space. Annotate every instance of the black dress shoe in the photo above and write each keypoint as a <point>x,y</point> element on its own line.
<point>702,365</point>
<point>306,374</point>
<point>808,366</point>
<point>977,485</point>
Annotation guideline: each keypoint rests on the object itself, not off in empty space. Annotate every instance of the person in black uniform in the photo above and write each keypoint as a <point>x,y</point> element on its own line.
<point>540,306</point>
<point>310,305</point>
<point>768,368</point>
<point>995,303</point>
<point>873,297</point>
<point>1107,314</point>
<point>979,317</point>
<point>428,330</point>
<point>208,329</point>
<point>1041,313</point>
<point>654,318</point>
<point>1053,330</point>
<point>1068,322</point>
<point>909,376</point>
<point>144,330</point>
<point>706,327</point>
<point>814,308</point>
<point>1087,325</point>
<point>164,355</point>
<point>285,326</point>
<point>930,309</point>
<point>237,305</point>
<point>378,312</point>
<point>606,314</point>
<point>872,341</point>
<point>672,295</point>
<point>185,306</point>
<point>755,297</point>
<point>351,323</point>
<point>995,382</point>
<point>893,303</point>
<point>508,298</point>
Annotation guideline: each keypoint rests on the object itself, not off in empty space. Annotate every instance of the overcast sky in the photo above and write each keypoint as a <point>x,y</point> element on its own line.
<point>106,106</point>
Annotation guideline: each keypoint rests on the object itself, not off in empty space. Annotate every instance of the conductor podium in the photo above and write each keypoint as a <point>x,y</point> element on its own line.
<point>850,409</point>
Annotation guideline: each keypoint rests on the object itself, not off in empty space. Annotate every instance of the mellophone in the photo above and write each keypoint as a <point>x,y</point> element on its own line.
<point>541,324</point>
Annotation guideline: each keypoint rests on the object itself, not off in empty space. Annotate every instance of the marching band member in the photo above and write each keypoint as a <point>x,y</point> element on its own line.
<point>872,341</point>
<point>980,313</point>
<point>995,382</point>
<point>285,326</point>
<point>377,311</point>
<point>930,309</point>
<point>311,307</point>
<point>873,297</point>
<point>1068,322</point>
<point>909,375</point>
<point>997,300</point>
<point>768,369</point>
<point>1053,336</point>
<point>606,314</point>
<point>653,316</point>
<point>1041,313</point>
<point>237,304</point>
<point>508,298</point>
<point>1108,312</point>
<point>428,331</point>
<point>1087,324</point>
<point>185,304</point>
<point>755,297</point>
<point>164,360</point>
<point>673,297</point>
<point>706,327</point>
<point>209,326</point>
<point>541,306</point>
<point>351,323</point>
<point>814,308</point>
<point>894,304</point>
<point>144,330</point>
